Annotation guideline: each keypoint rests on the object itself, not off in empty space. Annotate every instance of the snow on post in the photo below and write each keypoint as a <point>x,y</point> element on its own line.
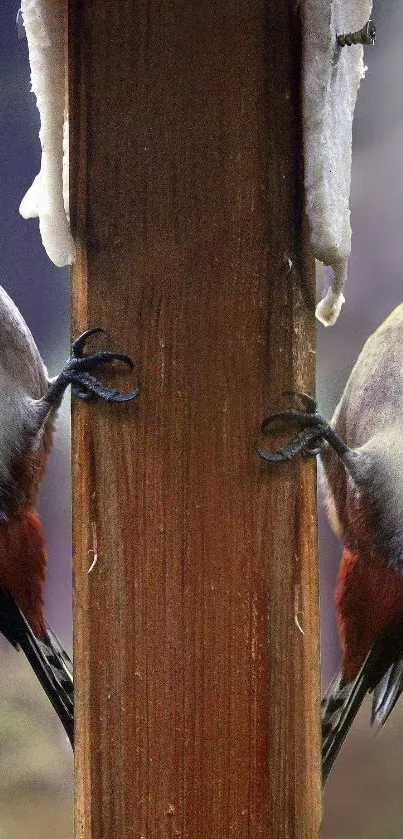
<point>331,78</point>
<point>45,24</point>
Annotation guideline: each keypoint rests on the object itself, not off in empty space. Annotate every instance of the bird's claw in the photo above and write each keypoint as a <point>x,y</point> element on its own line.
<point>310,440</point>
<point>86,386</point>
<point>76,350</point>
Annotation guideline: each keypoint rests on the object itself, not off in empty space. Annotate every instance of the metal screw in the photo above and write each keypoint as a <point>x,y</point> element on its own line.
<point>366,35</point>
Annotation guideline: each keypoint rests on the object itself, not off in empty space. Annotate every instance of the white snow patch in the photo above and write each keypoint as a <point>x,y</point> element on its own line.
<point>331,78</point>
<point>45,24</point>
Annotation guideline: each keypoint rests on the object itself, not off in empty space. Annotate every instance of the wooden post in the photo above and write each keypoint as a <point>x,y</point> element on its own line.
<point>196,631</point>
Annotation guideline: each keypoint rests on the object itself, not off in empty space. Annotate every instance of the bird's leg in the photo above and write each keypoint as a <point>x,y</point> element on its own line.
<point>312,437</point>
<point>77,373</point>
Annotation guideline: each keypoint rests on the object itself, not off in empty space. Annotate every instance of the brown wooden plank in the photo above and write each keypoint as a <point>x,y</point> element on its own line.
<point>196,691</point>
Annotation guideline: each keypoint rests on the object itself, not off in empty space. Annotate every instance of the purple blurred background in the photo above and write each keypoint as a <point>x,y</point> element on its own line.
<point>40,291</point>
<point>36,767</point>
<point>363,797</point>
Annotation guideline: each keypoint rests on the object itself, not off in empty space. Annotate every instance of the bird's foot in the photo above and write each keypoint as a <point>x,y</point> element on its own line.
<point>313,436</point>
<point>77,373</point>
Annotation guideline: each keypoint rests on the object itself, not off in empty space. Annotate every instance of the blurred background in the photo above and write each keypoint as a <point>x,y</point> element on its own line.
<point>36,765</point>
<point>363,795</point>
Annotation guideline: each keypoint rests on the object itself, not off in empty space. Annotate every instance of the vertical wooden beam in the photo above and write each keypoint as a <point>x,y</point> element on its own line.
<point>196,631</point>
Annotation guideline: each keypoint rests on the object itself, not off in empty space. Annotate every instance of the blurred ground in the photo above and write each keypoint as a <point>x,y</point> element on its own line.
<point>36,763</point>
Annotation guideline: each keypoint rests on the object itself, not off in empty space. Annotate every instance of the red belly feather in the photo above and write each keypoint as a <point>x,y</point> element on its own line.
<point>23,565</point>
<point>369,598</point>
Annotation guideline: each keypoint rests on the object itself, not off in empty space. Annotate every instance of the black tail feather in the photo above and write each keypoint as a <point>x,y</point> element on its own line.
<point>339,708</point>
<point>48,659</point>
<point>382,674</point>
<point>387,693</point>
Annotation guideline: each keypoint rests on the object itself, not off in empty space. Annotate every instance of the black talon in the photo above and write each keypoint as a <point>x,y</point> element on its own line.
<point>292,414</point>
<point>314,435</point>
<point>89,385</point>
<point>77,373</point>
<point>310,406</point>
<point>84,362</point>
<point>80,342</point>
<point>86,387</point>
<point>301,443</point>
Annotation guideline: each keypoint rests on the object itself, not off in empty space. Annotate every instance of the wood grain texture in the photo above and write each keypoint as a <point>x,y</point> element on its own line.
<point>196,690</point>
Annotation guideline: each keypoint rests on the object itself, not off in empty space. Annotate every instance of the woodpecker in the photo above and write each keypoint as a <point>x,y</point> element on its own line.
<point>362,455</point>
<point>29,400</point>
